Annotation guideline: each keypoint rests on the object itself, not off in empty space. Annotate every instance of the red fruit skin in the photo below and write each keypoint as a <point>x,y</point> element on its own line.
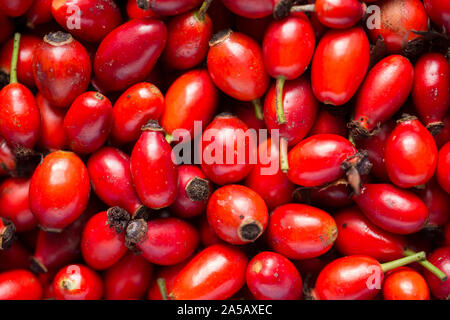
<point>226,133</point>
<point>14,204</point>
<point>19,116</point>
<point>7,158</point>
<point>270,276</point>
<point>15,257</point>
<point>443,167</point>
<point>59,190</point>
<point>255,28</point>
<point>61,71</point>
<point>102,245</point>
<point>375,145</point>
<point>134,108</point>
<point>288,47</point>
<point>216,273</point>
<point>172,7</point>
<point>392,209</point>
<point>191,97</point>
<point>300,109</point>
<point>152,157</point>
<point>52,135</point>
<point>233,207</point>
<point>134,12</point>
<point>128,53</point>
<point>371,240</point>
<point>55,250</point>
<point>40,12</point>
<point>439,12</point>
<point>245,112</point>
<point>441,259</point>
<point>398,18</point>
<point>299,231</point>
<point>275,188</point>
<point>208,236</point>
<point>128,279</point>
<point>339,65</point>
<point>99,18</point>
<point>346,279</point>
<point>187,40</point>
<point>169,241</point>
<point>88,122</point>
<point>169,274</point>
<point>184,206</point>
<point>6,27</point>
<point>444,136</point>
<point>19,284</point>
<point>77,282</point>
<point>317,160</point>
<point>410,154</point>
<point>109,170</point>
<point>251,8</point>
<point>431,88</point>
<point>15,8</point>
<point>329,124</point>
<point>340,14</point>
<point>24,65</point>
<point>384,91</point>
<point>235,63</point>
<point>405,284</point>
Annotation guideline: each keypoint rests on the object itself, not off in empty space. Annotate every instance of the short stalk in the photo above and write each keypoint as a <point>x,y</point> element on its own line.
<point>14,59</point>
<point>284,163</point>
<point>429,266</point>
<point>279,99</point>
<point>162,288</point>
<point>258,109</point>
<point>420,256</point>
<point>169,138</point>
<point>200,14</point>
<point>303,8</point>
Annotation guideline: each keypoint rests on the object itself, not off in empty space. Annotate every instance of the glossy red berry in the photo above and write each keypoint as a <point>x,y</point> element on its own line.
<point>15,8</point>
<point>216,273</point>
<point>431,89</point>
<point>357,235</point>
<point>438,12</point>
<point>96,18</point>
<point>19,285</point>
<point>237,214</point>
<point>88,122</point>
<point>271,276</point>
<point>339,65</point>
<point>339,14</point>
<point>398,19</point>
<point>103,239</point>
<point>410,154</point>
<point>134,108</point>
<point>235,63</point>
<point>128,279</point>
<point>383,92</point>
<point>227,150</point>
<point>77,282</point>
<point>61,68</point>
<point>40,12</point>
<point>392,209</point>
<point>163,241</point>
<point>299,231</point>
<point>405,284</point>
<point>14,204</point>
<point>152,157</point>
<point>443,167</point>
<point>193,192</point>
<point>441,259</point>
<point>128,53</point>
<point>53,136</point>
<point>59,190</point>
<point>267,179</point>
<point>191,97</point>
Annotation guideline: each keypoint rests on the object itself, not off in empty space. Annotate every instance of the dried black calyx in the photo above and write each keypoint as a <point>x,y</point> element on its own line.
<point>135,233</point>
<point>118,218</point>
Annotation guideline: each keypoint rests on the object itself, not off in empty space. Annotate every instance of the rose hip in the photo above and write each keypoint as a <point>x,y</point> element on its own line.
<point>53,135</point>
<point>405,284</point>
<point>15,8</point>
<point>77,282</point>
<point>19,285</point>
<point>441,259</point>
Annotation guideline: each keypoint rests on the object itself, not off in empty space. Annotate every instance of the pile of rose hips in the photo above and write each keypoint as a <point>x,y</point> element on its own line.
<point>94,206</point>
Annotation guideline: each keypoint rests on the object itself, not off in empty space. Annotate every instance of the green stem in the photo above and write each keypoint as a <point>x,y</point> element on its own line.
<point>14,59</point>
<point>303,8</point>
<point>403,261</point>
<point>352,140</point>
<point>279,99</point>
<point>258,109</point>
<point>200,14</point>
<point>429,266</point>
<point>162,288</point>
<point>284,163</point>
<point>169,138</point>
